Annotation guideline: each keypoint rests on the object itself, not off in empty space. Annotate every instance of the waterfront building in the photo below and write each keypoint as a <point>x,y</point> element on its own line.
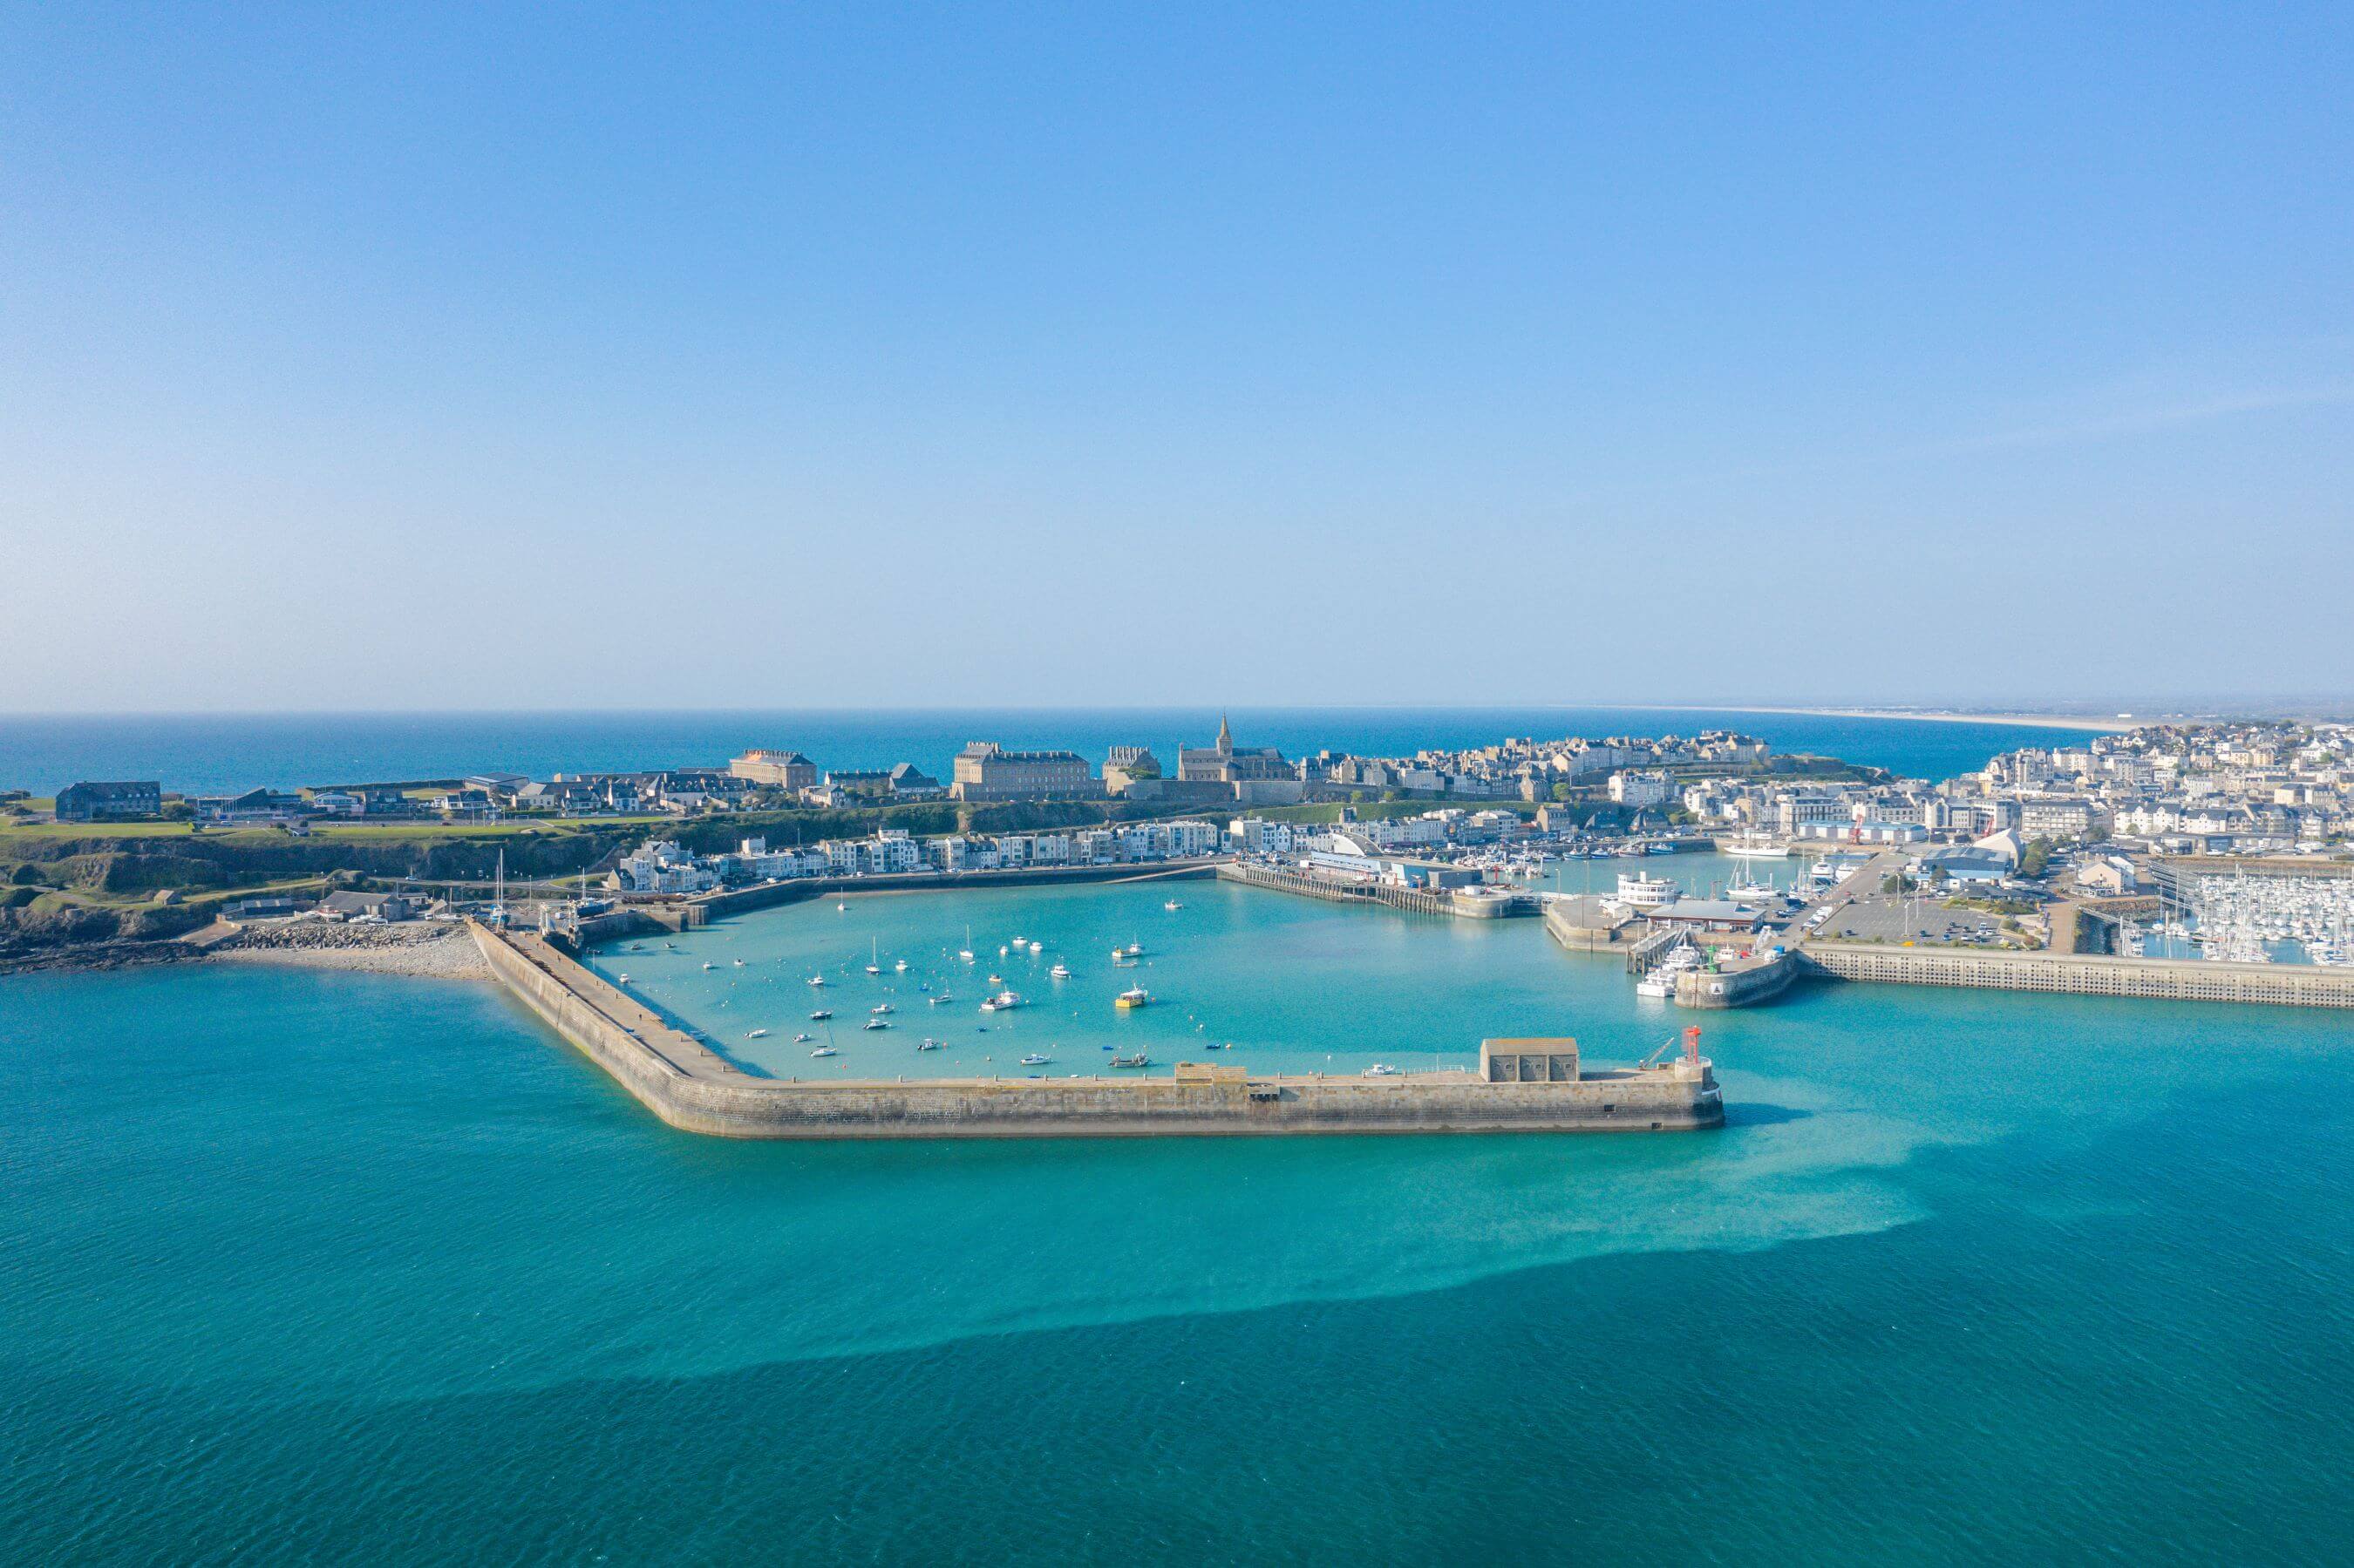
<point>986,771</point>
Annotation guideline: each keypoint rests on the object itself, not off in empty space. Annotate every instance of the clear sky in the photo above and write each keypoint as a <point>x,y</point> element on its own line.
<point>405,356</point>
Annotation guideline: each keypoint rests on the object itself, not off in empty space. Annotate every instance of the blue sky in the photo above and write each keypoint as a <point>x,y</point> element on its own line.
<point>400,357</point>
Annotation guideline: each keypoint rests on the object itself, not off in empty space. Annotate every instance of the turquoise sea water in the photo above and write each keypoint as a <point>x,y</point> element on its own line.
<point>308,1266</point>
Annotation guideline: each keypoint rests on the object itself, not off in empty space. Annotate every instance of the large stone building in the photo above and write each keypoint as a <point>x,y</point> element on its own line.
<point>1222,762</point>
<point>775,769</point>
<point>91,802</point>
<point>986,771</point>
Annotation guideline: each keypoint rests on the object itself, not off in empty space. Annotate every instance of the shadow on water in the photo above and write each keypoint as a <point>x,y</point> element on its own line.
<point>1745,1114</point>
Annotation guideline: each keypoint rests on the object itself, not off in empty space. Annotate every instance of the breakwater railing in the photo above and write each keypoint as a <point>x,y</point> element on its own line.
<point>2081,974</point>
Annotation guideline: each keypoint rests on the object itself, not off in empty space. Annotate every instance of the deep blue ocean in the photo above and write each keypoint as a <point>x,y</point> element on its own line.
<point>214,754</point>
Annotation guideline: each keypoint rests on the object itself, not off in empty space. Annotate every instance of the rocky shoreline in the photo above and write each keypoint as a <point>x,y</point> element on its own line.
<point>434,949</point>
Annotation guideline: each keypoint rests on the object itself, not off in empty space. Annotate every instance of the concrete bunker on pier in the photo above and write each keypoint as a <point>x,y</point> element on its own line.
<point>1538,1059</point>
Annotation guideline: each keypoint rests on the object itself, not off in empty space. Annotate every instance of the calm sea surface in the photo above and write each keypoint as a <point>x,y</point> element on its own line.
<point>213,754</point>
<point>316,1267</point>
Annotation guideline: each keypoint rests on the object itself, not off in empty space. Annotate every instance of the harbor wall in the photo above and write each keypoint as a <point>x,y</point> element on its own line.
<point>1749,985</point>
<point>769,894</point>
<point>2083,974</point>
<point>689,1086</point>
<point>1413,900</point>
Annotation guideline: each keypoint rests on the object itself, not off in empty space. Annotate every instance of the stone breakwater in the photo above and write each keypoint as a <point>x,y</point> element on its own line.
<point>691,1087</point>
<point>434,949</point>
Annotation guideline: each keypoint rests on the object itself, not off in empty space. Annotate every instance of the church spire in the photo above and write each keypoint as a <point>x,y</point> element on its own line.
<point>1225,733</point>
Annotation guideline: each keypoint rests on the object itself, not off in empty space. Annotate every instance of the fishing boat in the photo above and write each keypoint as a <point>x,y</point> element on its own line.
<point>1133,998</point>
<point>874,1023</point>
<point>929,1045</point>
<point>882,1009</point>
<point>1060,972</point>
<point>825,1051</point>
<point>1003,1001</point>
<point>756,1034</point>
<point>820,1015</point>
<point>1138,1060</point>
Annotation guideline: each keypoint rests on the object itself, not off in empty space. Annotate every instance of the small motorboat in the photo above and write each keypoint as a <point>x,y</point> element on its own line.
<point>882,1009</point>
<point>825,1051</point>
<point>1138,1060</point>
<point>803,1038</point>
<point>875,1024</point>
<point>820,1015</point>
<point>901,966</point>
<point>1060,972</point>
<point>756,1034</point>
<point>929,1045</point>
<point>710,965</point>
<point>939,998</point>
<point>1381,1070</point>
<point>817,979</point>
<point>621,979</point>
<point>1174,905</point>
<point>739,963</point>
<point>1036,1060</point>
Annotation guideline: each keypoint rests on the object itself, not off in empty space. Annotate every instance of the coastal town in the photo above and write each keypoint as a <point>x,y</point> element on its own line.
<point>2220,842</point>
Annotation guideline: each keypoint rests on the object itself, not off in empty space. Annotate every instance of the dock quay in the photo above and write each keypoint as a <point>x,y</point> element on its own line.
<point>2084,974</point>
<point>1521,1085</point>
<point>1475,904</point>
